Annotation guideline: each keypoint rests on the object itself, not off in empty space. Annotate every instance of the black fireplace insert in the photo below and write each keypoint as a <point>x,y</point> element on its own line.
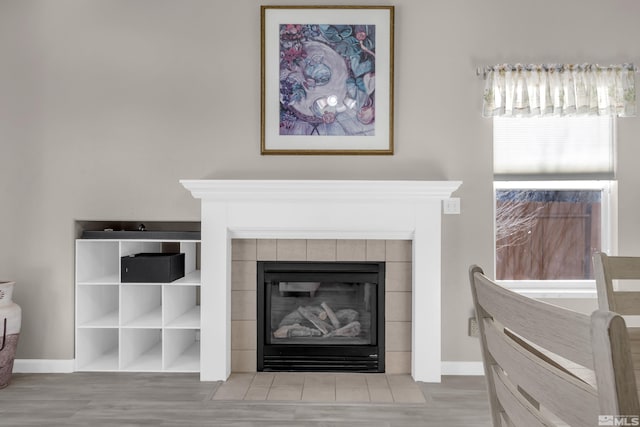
<point>321,316</point>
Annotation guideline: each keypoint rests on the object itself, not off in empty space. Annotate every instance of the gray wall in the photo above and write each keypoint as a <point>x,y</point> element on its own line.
<point>106,104</point>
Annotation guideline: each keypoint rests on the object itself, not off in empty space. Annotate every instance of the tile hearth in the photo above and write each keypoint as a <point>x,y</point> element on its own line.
<point>320,387</point>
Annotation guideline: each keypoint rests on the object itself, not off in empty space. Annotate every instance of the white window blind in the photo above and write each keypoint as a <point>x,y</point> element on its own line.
<point>548,147</point>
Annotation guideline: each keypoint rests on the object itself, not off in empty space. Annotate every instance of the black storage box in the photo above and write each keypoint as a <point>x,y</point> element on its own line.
<point>152,267</point>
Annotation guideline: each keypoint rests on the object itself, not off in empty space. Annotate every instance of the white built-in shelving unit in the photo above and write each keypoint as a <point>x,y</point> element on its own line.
<point>152,327</point>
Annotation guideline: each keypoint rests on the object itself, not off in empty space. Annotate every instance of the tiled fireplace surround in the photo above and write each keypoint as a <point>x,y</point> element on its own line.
<point>395,253</point>
<point>299,218</point>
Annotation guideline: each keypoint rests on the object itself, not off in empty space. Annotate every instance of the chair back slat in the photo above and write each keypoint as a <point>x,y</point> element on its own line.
<point>548,384</point>
<point>531,319</point>
<point>627,303</point>
<point>623,267</point>
<point>516,407</point>
<point>610,268</point>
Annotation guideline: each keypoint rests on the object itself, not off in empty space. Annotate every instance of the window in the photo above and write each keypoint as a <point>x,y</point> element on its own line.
<point>553,199</point>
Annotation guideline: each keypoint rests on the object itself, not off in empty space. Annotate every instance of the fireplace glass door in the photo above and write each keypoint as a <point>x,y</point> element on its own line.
<point>331,313</point>
<point>321,316</point>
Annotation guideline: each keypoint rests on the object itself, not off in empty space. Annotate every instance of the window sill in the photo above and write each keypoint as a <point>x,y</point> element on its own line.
<point>542,290</point>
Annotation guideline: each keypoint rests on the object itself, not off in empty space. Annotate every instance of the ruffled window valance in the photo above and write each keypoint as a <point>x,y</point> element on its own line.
<point>559,90</point>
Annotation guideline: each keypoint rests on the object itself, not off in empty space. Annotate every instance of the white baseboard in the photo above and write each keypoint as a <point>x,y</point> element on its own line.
<point>61,366</point>
<point>51,366</point>
<point>462,368</point>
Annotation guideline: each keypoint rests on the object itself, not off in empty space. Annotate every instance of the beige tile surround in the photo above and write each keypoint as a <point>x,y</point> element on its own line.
<point>397,255</point>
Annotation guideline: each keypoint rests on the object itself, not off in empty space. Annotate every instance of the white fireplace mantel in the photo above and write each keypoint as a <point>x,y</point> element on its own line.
<point>409,210</point>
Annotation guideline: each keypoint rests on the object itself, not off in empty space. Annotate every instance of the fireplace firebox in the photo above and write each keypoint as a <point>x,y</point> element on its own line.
<point>321,316</point>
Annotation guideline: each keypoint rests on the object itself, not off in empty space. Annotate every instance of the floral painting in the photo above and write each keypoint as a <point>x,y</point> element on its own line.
<point>327,79</point>
<point>331,77</point>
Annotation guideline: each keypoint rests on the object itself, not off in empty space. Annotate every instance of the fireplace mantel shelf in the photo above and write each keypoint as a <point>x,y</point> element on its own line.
<point>313,209</point>
<point>319,189</point>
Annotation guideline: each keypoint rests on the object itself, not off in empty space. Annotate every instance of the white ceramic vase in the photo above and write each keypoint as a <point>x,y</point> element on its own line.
<point>10,322</point>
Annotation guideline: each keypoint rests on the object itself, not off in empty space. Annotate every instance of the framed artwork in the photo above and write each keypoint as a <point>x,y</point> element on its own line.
<point>327,79</point>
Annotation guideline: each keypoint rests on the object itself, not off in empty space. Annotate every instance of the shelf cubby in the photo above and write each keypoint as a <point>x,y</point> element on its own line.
<point>141,306</point>
<point>181,350</point>
<point>97,306</point>
<point>141,350</point>
<point>181,309</point>
<point>97,262</point>
<point>97,350</point>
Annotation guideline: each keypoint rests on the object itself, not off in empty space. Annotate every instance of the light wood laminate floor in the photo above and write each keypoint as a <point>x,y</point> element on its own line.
<point>140,399</point>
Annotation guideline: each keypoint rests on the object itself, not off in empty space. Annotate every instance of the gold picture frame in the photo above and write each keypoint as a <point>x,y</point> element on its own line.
<point>327,80</point>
